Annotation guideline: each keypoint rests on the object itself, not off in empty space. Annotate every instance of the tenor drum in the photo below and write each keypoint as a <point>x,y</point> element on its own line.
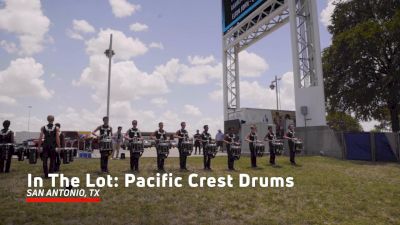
<point>260,149</point>
<point>298,146</point>
<point>211,149</point>
<point>187,147</point>
<point>163,149</point>
<point>33,154</point>
<point>236,151</point>
<point>278,147</point>
<point>106,144</point>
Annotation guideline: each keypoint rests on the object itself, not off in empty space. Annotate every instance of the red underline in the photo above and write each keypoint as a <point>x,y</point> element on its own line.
<point>60,200</point>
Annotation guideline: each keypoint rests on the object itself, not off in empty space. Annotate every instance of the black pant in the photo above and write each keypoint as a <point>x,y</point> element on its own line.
<point>104,160</point>
<point>197,146</point>
<point>292,152</point>
<point>160,161</point>
<point>206,158</point>
<point>231,159</point>
<point>7,159</point>
<point>253,155</point>
<point>49,152</point>
<point>135,161</point>
<point>271,154</point>
<point>182,159</point>
<point>58,162</point>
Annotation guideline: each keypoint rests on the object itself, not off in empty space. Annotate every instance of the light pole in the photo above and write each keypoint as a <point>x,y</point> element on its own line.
<point>274,85</point>
<point>109,53</point>
<point>29,116</point>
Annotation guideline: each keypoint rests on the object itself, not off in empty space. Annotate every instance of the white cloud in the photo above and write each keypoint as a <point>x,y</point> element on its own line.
<point>79,28</point>
<point>122,8</point>
<point>251,64</point>
<point>9,47</point>
<point>198,60</point>
<point>25,19</point>
<point>138,27</point>
<point>260,96</point>
<point>326,13</point>
<point>158,45</point>
<point>173,71</point>
<point>191,110</point>
<point>159,102</point>
<point>74,35</point>
<point>82,26</point>
<point>124,48</point>
<point>127,81</point>
<point>23,78</point>
<point>7,100</point>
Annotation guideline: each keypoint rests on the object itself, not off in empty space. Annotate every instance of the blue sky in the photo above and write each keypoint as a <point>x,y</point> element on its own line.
<point>167,66</point>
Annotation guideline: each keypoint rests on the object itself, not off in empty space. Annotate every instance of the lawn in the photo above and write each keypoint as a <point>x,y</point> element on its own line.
<point>326,191</point>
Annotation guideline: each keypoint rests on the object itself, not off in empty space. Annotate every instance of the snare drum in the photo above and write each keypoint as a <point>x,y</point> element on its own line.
<point>260,149</point>
<point>278,147</point>
<point>298,146</point>
<point>236,151</point>
<point>163,149</point>
<point>211,150</point>
<point>136,147</point>
<point>187,148</point>
<point>106,144</point>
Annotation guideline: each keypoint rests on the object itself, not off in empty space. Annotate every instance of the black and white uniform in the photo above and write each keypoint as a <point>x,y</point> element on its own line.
<point>182,156</point>
<point>290,134</point>
<point>105,132</point>
<point>253,154</point>
<point>161,136</point>
<point>197,144</point>
<point>272,151</point>
<point>6,137</point>
<point>206,138</point>
<point>231,159</point>
<point>49,148</point>
<point>134,133</point>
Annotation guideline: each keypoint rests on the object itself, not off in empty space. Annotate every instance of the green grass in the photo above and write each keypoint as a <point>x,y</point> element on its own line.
<point>327,191</point>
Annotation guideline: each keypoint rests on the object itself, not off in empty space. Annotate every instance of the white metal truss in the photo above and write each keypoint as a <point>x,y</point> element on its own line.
<point>267,18</point>
<point>304,42</point>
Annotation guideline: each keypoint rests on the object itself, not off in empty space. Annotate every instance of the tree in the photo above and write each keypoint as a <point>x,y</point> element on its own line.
<point>340,121</point>
<point>362,66</point>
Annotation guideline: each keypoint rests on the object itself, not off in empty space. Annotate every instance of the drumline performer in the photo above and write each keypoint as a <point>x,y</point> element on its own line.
<point>105,133</point>
<point>197,142</point>
<point>290,136</point>
<point>132,135</point>
<point>160,135</point>
<point>6,137</point>
<point>62,145</point>
<point>271,137</point>
<point>252,139</point>
<point>51,135</point>
<point>231,139</point>
<point>206,138</point>
<point>182,135</point>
